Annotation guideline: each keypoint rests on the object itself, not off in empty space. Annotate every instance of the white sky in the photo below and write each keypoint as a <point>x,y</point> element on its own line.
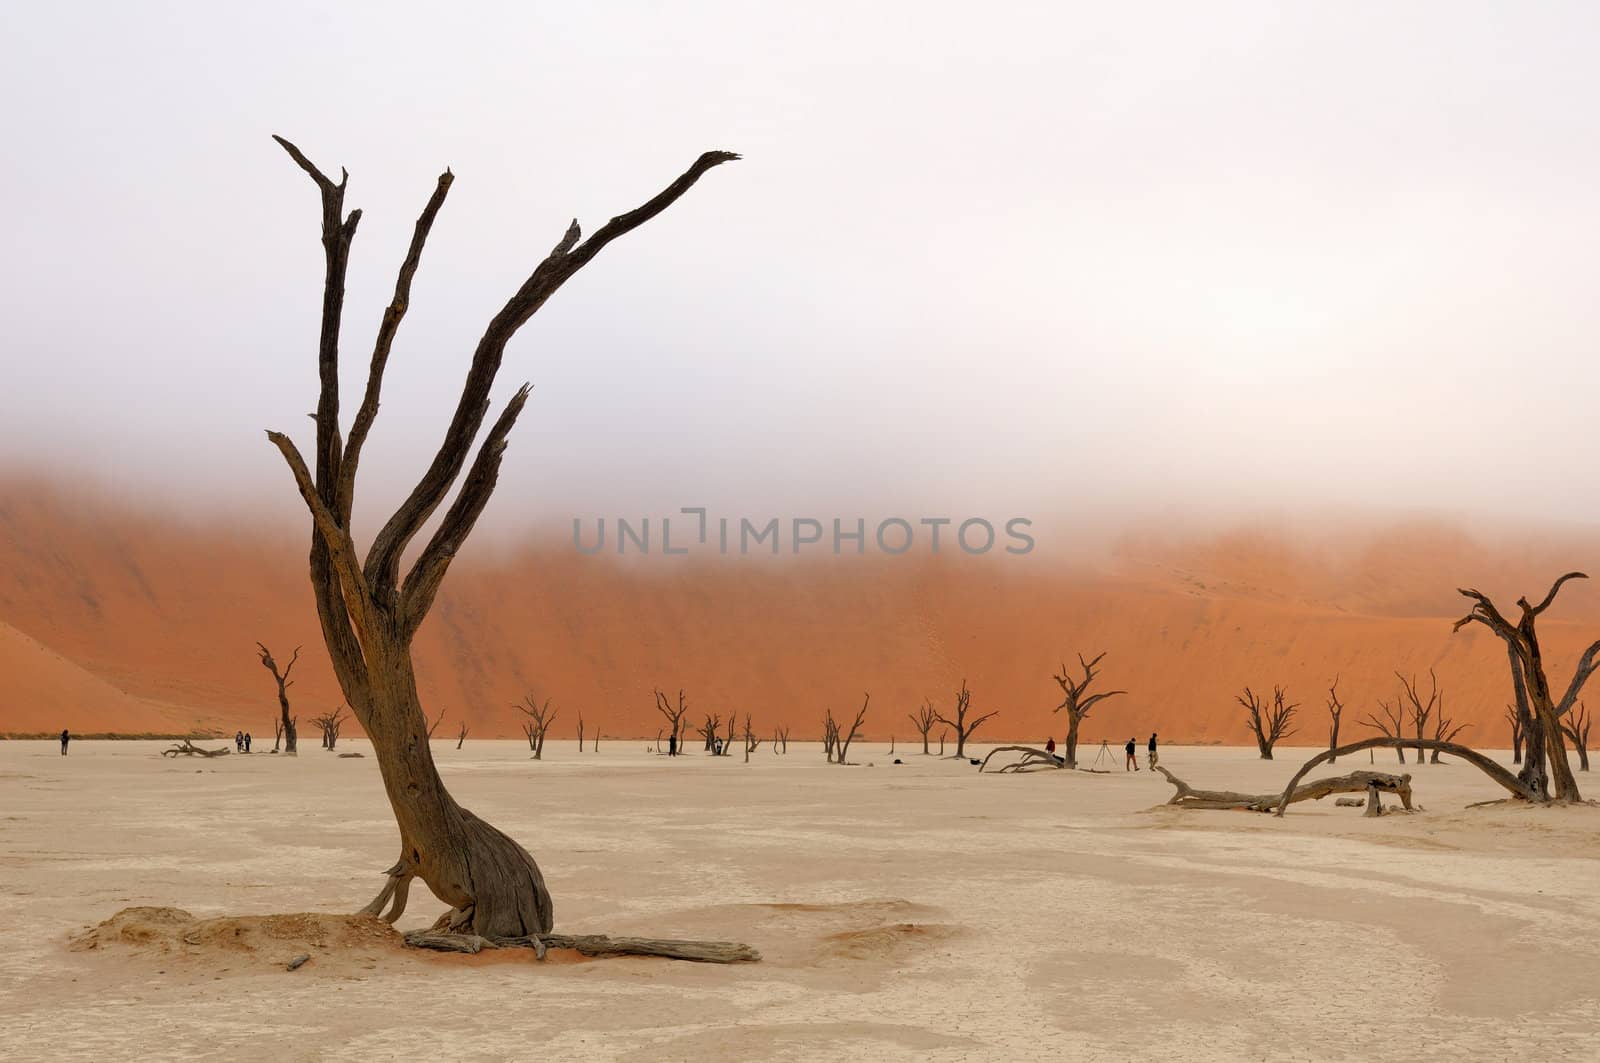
<point>978,259</point>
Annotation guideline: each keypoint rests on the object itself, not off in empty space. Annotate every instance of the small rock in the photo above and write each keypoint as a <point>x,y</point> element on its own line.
<point>295,963</point>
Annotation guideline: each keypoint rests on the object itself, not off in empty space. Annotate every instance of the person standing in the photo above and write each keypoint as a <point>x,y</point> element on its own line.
<point>247,741</point>
<point>65,738</point>
<point>1152,758</point>
<point>1132,763</point>
<point>238,741</point>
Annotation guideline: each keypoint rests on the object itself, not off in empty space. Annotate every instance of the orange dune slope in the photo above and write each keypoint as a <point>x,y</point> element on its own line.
<point>116,620</point>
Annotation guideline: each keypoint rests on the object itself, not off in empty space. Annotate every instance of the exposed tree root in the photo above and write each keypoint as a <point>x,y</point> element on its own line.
<point>398,887</point>
<point>589,945</point>
<point>1370,782</point>
<point>187,748</point>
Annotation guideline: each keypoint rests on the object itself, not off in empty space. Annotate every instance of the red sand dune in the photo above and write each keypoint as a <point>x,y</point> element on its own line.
<point>121,621</point>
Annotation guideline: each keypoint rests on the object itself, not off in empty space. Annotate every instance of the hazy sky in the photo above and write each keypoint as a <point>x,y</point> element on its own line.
<point>990,258</point>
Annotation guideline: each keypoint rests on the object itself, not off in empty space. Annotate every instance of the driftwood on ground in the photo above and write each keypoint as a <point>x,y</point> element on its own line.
<point>187,748</point>
<point>1356,782</point>
<point>590,945</point>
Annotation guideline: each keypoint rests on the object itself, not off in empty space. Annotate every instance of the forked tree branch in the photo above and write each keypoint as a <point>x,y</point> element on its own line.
<point>563,261</point>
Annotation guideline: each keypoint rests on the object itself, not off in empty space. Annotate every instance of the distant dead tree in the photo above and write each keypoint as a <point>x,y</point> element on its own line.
<point>370,612</point>
<point>1413,705</point>
<point>1545,768</point>
<point>708,731</point>
<point>1335,711</point>
<point>942,735</point>
<point>462,737</point>
<point>1516,733</point>
<point>434,726</point>
<point>1269,721</point>
<point>1576,727</point>
<point>329,723</point>
<point>923,720</point>
<point>580,730</point>
<point>751,742</point>
<point>842,737</point>
<point>1445,731</point>
<point>595,745</point>
<point>1077,700</point>
<point>539,719</point>
<point>1391,726</point>
<point>726,749</point>
<point>830,734</point>
<point>964,727</point>
<point>286,723</point>
<point>780,740</point>
<point>674,715</point>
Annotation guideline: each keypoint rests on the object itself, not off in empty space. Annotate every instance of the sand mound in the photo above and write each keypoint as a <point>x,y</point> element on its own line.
<point>271,940</point>
<point>896,942</point>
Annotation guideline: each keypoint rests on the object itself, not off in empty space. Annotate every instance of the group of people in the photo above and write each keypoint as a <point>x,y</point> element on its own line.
<point>241,741</point>
<point>1132,763</point>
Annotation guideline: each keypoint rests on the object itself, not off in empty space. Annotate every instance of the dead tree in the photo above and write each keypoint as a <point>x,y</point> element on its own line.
<point>595,745</point>
<point>1269,722</point>
<point>1335,711</point>
<point>708,731</point>
<point>1516,733</point>
<point>1077,700</point>
<point>369,614</point>
<point>923,720</point>
<point>1445,730</point>
<point>727,742</point>
<point>1576,726</point>
<point>580,731</point>
<point>1513,785</point>
<point>186,748</point>
<point>1418,711</point>
<point>963,726</point>
<point>780,740</point>
<point>1031,759</point>
<point>751,742</point>
<point>830,734</point>
<point>1545,768</point>
<point>539,719</point>
<point>842,737</point>
<point>942,735</point>
<point>434,726</point>
<point>462,737</point>
<point>286,722</point>
<point>330,723</point>
<point>1369,782</point>
<point>1392,725</point>
<point>674,716</point>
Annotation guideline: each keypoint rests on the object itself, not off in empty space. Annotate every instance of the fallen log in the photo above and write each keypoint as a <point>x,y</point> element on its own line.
<point>590,945</point>
<point>1369,782</point>
<point>187,748</point>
